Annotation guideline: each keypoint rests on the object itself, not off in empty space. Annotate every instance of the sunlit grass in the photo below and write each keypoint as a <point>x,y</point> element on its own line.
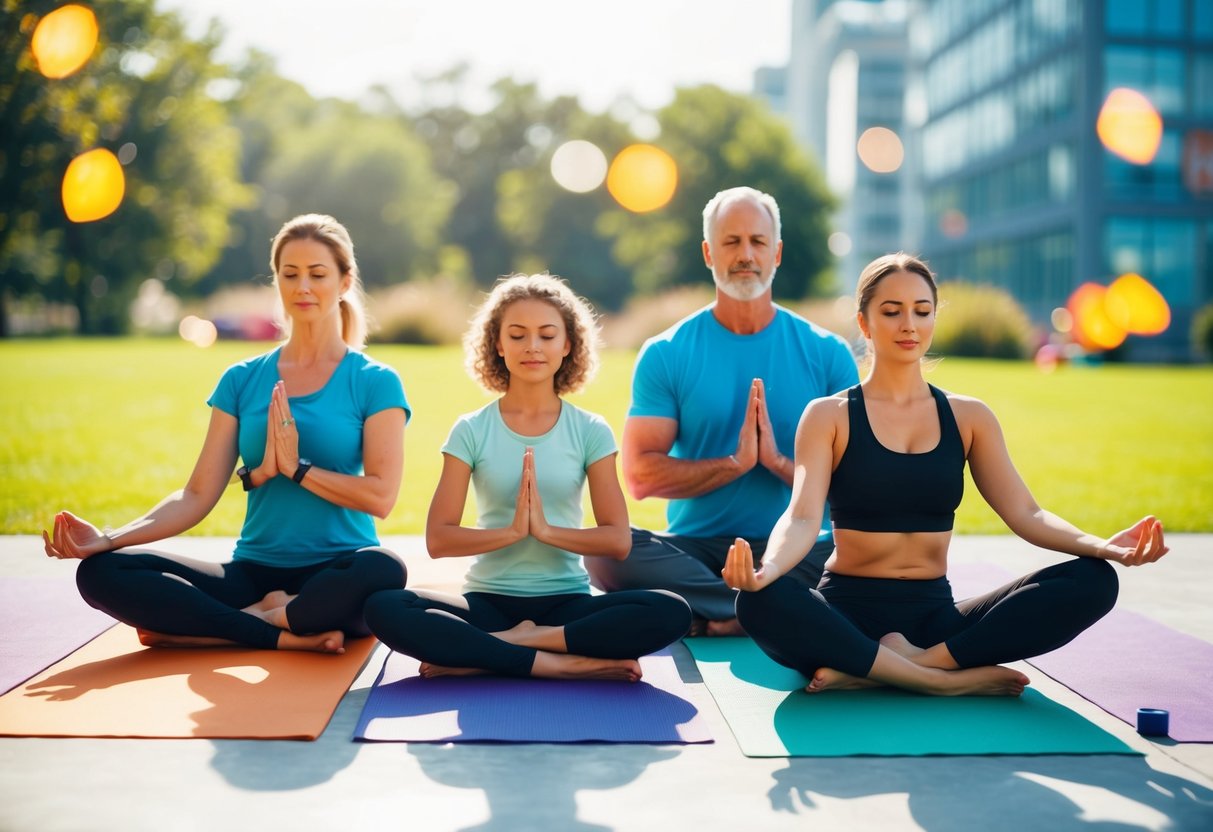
<point>108,427</point>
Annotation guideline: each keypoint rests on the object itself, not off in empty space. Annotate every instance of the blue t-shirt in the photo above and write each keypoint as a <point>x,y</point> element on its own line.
<point>562,455</point>
<point>699,373</point>
<point>285,524</point>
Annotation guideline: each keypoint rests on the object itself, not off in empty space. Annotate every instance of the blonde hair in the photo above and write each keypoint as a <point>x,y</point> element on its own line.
<point>487,366</point>
<point>324,229</point>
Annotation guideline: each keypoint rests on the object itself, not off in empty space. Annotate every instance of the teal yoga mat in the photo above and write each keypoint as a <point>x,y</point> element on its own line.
<point>771,716</point>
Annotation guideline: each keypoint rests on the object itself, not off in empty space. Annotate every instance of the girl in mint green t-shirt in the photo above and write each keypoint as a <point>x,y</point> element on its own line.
<point>527,609</point>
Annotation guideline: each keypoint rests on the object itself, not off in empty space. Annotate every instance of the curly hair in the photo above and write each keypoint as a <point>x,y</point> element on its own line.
<point>486,365</point>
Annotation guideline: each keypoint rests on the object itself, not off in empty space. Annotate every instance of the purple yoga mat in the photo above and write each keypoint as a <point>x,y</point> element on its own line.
<point>41,621</point>
<point>1123,662</point>
<point>403,707</point>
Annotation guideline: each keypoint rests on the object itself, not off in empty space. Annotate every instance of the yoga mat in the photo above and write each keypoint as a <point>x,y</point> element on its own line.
<point>403,707</point>
<point>116,687</point>
<point>1126,661</point>
<point>765,705</point>
<point>41,621</point>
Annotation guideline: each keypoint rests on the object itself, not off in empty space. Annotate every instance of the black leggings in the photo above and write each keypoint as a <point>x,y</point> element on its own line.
<point>186,597</point>
<point>453,630</point>
<point>838,625</point>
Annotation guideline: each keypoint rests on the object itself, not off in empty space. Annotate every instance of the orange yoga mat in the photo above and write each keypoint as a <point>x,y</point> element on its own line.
<point>115,687</point>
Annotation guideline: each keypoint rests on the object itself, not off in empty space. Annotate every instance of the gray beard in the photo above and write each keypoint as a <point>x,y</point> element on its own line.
<point>743,290</point>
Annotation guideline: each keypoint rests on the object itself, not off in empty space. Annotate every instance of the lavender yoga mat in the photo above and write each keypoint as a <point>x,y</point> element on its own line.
<point>403,707</point>
<point>1123,662</point>
<point>41,621</point>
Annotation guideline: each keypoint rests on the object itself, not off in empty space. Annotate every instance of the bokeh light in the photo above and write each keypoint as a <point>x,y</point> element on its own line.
<point>1061,319</point>
<point>579,166</point>
<point>1136,306</point>
<point>1129,126</point>
<point>93,186</point>
<point>198,331</point>
<point>880,150</point>
<point>1048,357</point>
<point>642,178</point>
<point>1093,328</point>
<point>64,40</point>
<point>953,223</point>
<point>839,243</point>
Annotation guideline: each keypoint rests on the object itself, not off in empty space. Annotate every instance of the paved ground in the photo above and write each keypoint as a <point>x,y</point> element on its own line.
<point>333,783</point>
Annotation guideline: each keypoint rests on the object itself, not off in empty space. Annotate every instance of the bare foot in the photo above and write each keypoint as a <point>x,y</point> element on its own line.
<point>530,634</point>
<point>994,680</point>
<point>727,627</point>
<point>827,678</point>
<point>150,638</point>
<point>432,671</point>
<point>331,642</point>
<point>900,645</point>
<point>564,666</point>
<point>272,600</point>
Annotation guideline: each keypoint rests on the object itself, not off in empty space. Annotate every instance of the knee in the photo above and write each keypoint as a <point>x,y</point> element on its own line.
<point>1099,579</point>
<point>384,607</point>
<point>383,567</point>
<point>674,610</point>
<point>94,574</point>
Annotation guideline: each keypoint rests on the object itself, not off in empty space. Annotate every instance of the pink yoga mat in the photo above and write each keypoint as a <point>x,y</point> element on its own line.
<point>41,621</point>
<point>1123,662</point>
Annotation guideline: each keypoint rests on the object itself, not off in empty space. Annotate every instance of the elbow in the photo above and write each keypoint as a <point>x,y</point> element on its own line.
<point>434,545</point>
<point>621,545</point>
<point>382,507</point>
<point>638,487</point>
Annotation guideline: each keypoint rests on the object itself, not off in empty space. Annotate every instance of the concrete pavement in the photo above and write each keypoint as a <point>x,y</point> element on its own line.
<point>334,783</point>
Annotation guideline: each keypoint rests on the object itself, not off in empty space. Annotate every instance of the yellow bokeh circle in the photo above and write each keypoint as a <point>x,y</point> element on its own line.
<point>642,178</point>
<point>1129,126</point>
<point>1136,306</point>
<point>64,40</point>
<point>93,186</point>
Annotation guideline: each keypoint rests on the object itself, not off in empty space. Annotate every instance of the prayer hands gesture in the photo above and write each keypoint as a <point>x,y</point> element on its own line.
<point>281,437</point>
<point>72,537</point>
<point>528,507</point>
<point>756,441</point>
<point>1139,544</point>
<point>739,571</point>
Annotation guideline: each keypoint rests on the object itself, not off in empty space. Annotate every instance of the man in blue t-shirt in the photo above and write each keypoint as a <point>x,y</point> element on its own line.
<point>715,403</point>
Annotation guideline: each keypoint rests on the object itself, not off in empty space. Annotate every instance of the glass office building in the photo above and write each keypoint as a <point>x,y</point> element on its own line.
<point>1015,185</point>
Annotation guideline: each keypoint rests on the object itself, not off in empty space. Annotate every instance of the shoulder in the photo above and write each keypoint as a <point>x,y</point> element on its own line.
<point>827,408</point>
<point>804,330</point>
<point>254,364</point>
<point>679,331</point>
<point>970,411</point>
<point>370,369</point>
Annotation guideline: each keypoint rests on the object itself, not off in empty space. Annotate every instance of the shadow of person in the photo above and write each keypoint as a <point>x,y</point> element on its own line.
<point>288,765</point>
<point>955,794</point>
<point>510,774</point>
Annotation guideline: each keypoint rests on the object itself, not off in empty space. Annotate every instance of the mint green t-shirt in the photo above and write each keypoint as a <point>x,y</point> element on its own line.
<point>494,453</point>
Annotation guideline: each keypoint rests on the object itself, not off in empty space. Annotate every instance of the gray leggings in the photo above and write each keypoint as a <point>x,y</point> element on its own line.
<point>690,567</point>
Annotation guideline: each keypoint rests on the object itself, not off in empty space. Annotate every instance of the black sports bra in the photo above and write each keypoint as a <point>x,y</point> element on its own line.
<point>874,489</point>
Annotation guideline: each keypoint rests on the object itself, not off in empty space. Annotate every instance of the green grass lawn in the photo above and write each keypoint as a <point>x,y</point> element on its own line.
<point>108,427</point>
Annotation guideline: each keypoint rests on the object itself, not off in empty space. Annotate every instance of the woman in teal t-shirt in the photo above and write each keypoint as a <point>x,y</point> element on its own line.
<point>527,609</point>
<point>320,429</point>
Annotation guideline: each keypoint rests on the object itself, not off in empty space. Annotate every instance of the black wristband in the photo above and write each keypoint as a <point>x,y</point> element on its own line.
<point>246,477</point>
<point>305,465</point>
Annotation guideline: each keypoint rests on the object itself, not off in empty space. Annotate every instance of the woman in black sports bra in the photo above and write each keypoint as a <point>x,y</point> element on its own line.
<point>889,455</point>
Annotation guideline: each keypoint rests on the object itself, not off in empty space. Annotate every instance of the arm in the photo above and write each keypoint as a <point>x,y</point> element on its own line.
<point>610,537</point>
<point>376,489</point>
<point>446,537</point>
<point>1005,491</point>
<point>73,537</point>
<point>796,530</point>
<point>650,471</point>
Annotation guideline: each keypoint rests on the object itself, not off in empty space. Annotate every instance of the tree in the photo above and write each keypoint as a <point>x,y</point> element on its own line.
<point>145,94</point>
<point>720,140</point>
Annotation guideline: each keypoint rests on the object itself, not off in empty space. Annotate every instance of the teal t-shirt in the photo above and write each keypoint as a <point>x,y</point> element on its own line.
<point>494,453</point>
<point>699,374</point>
<point>285,524</point>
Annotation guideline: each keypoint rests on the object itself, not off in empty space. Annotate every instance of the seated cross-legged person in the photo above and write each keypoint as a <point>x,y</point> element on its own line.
<point>527,609</point>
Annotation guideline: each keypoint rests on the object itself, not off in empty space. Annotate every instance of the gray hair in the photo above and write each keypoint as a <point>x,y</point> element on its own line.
<point>728,195</point>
